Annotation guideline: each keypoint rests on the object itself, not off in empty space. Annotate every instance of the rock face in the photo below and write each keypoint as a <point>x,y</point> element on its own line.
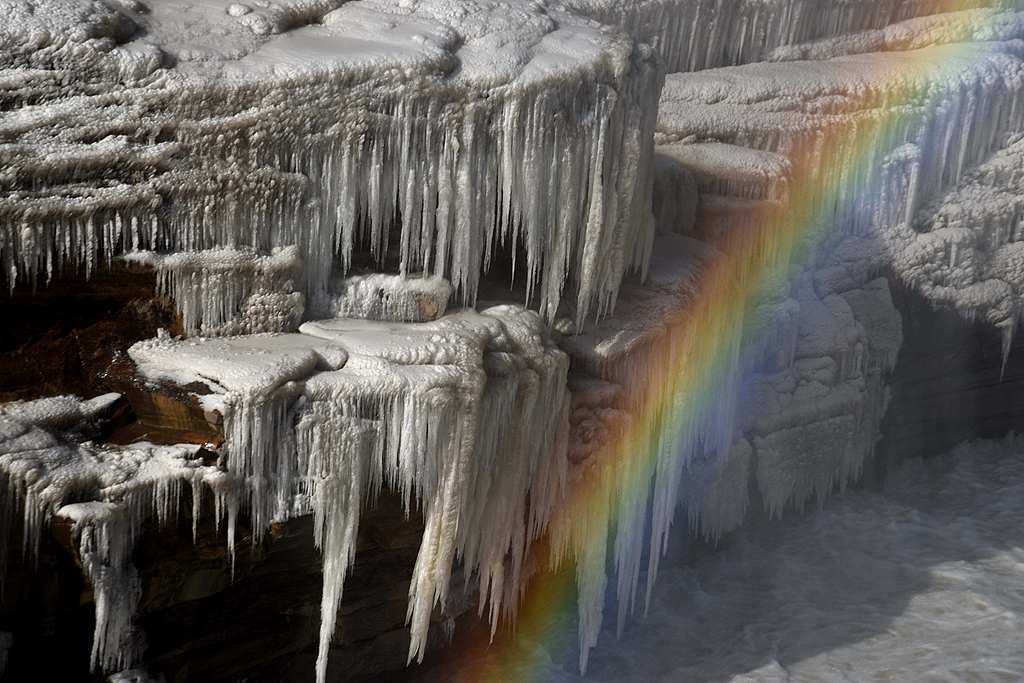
<point>335,321</point>
<point>63,336</point>
<point>951,383</point>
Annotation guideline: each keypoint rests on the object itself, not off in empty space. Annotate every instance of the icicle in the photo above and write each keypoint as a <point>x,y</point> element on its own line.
<point>105,544</point>
<point>330,173</point>
<point>337,452</point>
<point>1007,330</point>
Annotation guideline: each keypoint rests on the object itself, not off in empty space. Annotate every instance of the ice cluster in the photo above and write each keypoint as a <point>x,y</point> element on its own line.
<point>47,468</point>
<point>444,131</point>
<point>466,417</point>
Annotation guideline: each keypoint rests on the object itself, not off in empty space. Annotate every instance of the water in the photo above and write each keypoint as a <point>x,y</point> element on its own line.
<point>922,581</point>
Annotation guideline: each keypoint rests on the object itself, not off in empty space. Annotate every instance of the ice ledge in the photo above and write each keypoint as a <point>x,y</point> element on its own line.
<point>466,417</point>
<point>325,134</point>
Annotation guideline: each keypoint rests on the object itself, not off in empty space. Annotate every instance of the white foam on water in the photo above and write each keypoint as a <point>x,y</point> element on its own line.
<point>921,581</point>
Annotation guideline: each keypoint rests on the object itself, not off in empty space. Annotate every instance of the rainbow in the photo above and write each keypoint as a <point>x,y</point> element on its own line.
<point>844,175</point>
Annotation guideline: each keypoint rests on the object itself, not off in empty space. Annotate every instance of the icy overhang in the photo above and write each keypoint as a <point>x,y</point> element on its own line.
<point>466,417</point>
<point>615,348</point>
<point>435,132</point>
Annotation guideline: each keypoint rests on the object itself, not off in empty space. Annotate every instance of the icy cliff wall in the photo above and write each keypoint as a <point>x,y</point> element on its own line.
<point>702,34</point>
<point>822,183</point>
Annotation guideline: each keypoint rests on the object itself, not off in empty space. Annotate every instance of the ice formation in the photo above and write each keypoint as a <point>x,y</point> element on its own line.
<point>168,148</point>
<point>47,469</point>
<point>465,416</point>
<point>321,186</point>
<point>230,291</point>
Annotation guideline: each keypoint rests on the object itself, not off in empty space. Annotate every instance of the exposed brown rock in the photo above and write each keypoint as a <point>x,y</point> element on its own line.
<point>166,413</point>
<point>60,337</point>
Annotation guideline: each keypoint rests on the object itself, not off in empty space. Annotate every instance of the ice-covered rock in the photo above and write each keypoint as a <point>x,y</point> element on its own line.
<point>379,296</point>
<point>733,171</point>
<point>48,473</point>
<point>962,249</point>
<point>965,26</point>
<point>596,417</point>
<point>813,423</point>
<point>699,34</point>
<point>907,127</point>
<point>614,348</point>
<point>467,417</point>
<point>335,122</point>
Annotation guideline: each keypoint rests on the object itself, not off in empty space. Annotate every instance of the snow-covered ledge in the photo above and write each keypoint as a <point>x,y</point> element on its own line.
<point>321,124</point>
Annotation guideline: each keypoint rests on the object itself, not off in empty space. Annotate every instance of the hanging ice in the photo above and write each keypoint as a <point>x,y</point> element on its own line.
<point>230,291</point>
<point>446,125</point>
<point>44,466</point>
<point>466,417</point>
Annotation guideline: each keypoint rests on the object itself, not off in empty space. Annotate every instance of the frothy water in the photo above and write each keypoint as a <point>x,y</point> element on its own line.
<point>922,581</point>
